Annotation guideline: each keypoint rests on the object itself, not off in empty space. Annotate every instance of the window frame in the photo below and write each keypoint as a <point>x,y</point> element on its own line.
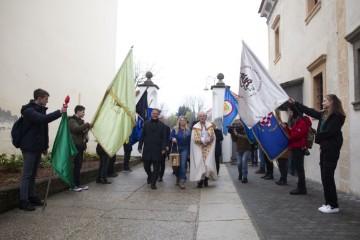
<point>354,39</point>
<point>276,27</point>
<point>316,68</point>
<point>311,9</point>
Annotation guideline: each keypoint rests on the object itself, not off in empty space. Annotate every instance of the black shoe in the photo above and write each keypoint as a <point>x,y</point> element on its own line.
<point>105,181</point>
<point>244,180</point>
<point>200,184</point>
<point>153,186</point>
<point>281,182</point>
<point>269,177</point>
<point>113,175</point>
<point>240,177</point>
<point>148,180</point>
<point>298,191</point>
<point>26,206</point>
<point>35,201</point>
<point>265,176</point>
<point>206,183</point>
<point>260,171</point>
<point>160,179</point>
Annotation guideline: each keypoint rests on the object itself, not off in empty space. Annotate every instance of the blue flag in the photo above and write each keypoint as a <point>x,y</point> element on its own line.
<point>271,137</point>
<point>142,112</point>
<point>230,110</point>
<point>230,113</point>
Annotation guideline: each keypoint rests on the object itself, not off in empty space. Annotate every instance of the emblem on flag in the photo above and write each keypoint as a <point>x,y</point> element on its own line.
<point>228,108</point>
<point>266,121</point>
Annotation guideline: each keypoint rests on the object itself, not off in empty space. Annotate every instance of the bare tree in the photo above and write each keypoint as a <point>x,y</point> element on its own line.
<point>140,70</point>
<point>200,104</point>
<point>163,108</point>
<point>195,104</point>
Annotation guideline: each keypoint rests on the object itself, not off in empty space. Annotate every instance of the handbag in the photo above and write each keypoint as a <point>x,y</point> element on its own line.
<point>174,157</point>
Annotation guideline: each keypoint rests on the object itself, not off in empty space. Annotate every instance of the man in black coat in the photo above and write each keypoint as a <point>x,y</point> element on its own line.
<point>153,137</point>
<point>34,142</point>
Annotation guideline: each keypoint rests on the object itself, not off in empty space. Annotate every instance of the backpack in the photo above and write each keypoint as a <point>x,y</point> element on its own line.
<point>310,137</point>
<point>16,132</point>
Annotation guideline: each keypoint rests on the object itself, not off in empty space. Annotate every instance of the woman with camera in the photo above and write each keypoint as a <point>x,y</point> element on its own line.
<point>330,139</point>
<point>297,145</point>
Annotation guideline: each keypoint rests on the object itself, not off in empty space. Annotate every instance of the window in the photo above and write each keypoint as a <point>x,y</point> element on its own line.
<point>313,6</point>
<point>276,27</point>
<point>354,39</point>
<point>317,71</point>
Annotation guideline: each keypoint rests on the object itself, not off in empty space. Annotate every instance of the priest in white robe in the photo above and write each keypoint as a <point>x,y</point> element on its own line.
<point>202,152</point>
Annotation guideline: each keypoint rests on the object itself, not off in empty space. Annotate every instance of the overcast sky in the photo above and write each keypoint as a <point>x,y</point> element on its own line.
<point>187,41</point>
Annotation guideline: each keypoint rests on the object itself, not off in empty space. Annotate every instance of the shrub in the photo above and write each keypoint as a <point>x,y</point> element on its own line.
<point>91,156</point>
<point>13,163</point>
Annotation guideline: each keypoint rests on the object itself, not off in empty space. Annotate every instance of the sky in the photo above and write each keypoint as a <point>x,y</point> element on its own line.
<point>189,42</point>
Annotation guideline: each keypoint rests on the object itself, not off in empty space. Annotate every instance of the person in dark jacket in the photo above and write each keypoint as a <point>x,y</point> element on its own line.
<point>163,156</point>
<point>330,139</point>
<point>153,137</point>
<point>103,165</point>
<point>35,141</point>
<point>218,149</point>
<point>79,132</point>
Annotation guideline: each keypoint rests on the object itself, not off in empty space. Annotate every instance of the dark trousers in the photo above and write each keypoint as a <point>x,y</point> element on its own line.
<point>269,166</point>
<point>162,166</point>
<point>283,168</point>
<point>127,155</point>
<point>154,174</point>
<point>30,166</point>
<point>111,165</point>
<point>298,158</point>
<point>217,161</point>
<point>328,163</point>
<point>77,166</point>
<point>103,167</point>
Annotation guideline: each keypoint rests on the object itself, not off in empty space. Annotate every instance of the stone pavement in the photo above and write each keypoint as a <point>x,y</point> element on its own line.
<point>129,209</point>
<point>278,215</point>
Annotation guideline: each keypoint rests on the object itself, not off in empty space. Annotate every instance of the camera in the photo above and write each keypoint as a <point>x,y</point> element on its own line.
<point>238,129</point>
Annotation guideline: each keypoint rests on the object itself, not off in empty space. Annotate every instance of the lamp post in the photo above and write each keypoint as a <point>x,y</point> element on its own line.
<point>208,81</point>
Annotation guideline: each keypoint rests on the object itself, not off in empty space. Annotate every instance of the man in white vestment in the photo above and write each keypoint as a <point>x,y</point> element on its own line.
<point>202,152</point>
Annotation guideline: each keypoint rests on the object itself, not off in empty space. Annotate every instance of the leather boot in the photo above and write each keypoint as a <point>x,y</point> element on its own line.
<point>200,184</point>
<point>300,190</point>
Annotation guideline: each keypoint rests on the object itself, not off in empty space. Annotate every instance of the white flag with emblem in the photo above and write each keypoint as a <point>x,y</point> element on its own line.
<point>259,94</point>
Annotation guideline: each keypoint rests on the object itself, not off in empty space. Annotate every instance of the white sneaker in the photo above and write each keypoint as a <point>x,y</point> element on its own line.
<point>322,207</point>
<point>83,187</point>
<point>75,189</point>
<point>329,209</point>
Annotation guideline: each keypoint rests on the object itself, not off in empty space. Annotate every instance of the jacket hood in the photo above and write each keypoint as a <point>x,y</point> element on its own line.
<point>31,104</point>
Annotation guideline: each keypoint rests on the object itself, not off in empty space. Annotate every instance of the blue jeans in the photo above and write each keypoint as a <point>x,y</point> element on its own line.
<point>242,158</point>
<point>29,171</point>
<point>181,170</point>
<point>262,159</point>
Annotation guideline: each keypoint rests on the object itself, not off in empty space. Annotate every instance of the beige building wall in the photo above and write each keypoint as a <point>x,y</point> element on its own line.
<point>66,47</point>
<point>301,44</point>
<point>353,22</point>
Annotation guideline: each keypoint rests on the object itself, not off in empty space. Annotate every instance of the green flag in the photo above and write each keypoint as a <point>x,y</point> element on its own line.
<point>115,116</point>
<point>63,150</point>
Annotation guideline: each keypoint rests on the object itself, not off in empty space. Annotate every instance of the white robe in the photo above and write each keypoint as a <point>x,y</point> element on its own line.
<point>202,157</point>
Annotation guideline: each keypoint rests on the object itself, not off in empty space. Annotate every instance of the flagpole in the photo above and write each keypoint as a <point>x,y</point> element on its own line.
<point>47,190</point>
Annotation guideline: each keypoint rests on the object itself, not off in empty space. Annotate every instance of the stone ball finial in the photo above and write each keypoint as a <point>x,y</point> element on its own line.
<point>220,76</point>
<point>149,75</point>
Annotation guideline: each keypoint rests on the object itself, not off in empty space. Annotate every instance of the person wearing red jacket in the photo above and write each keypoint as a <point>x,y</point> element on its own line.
<point>297,145</point>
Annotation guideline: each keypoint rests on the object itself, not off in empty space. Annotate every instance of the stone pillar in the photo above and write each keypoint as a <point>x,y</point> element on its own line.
<point>152,90</point>
<point>218,95</point>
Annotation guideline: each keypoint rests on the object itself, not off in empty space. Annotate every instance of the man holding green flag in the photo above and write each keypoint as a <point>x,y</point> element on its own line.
<point>115,117</point>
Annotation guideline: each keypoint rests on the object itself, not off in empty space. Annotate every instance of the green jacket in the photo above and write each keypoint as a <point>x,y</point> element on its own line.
<point>79,131</point>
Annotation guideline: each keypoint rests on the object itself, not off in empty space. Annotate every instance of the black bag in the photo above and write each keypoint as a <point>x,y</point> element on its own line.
<point>16,132</point>
<point>310,137</point>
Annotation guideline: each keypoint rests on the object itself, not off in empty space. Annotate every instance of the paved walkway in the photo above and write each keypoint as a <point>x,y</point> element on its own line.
<point>129,209</point>
<point>278,215</point>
